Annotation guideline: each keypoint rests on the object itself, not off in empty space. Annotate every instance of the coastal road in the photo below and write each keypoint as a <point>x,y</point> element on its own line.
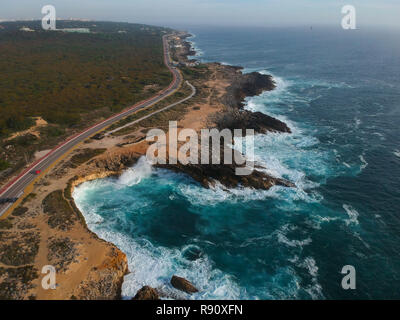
<point>15,189</point>
<point>155,112</point>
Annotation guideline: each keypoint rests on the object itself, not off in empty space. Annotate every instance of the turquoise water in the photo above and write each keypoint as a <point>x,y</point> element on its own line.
<point>339,92</point>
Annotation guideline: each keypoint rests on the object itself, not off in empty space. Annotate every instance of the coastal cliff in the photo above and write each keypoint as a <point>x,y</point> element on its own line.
<point>52,230</point>
<point>48,229</point>
<point>245,85</point>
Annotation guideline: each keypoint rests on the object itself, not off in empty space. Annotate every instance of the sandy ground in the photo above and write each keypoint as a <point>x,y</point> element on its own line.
<point>39,122</point>
<point>197,119</point>
<point>41,154</point>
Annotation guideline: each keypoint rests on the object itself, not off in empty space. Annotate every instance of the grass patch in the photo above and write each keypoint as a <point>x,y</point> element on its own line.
<point>67,190</point>
<point>52,131</point>
<point>68,196</point>
<point>175,113</point>
<point>29,197</point>
<point>4,164</point>
<point>84,156</point>
<point>5,224</point>
<point>19,211</point>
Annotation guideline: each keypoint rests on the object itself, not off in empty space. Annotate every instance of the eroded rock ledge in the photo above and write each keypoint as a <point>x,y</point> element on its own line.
<point>209,175</point>
<point>243,86</point>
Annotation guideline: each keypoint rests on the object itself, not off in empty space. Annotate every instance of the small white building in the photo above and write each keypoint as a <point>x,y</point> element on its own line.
<point>25,29</point>
<point>78,30</point>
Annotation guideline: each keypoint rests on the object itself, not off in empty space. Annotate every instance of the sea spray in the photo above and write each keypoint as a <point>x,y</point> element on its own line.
<point>141,170</point>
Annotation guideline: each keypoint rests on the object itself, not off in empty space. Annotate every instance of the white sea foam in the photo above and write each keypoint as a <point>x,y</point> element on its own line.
<point>357,122</point>
<point>309,263</point>
<point>282,238</point>
<point>282,155</point>
<point>280,83</point>
<point>364,163</point>
<point>150,264</point>
<point>311,266</point>
<point>154,266</point>
<point>352,213</point>
<point>316,220</point>
<point>315,289</point>
<point>346,165</point>
<point>380,135</point>
<point>397,153</point>
<point>194,47</point>
<point>197,195</point>
<point>288,156</point>
<point>141,170</point>
<point>275,95</point>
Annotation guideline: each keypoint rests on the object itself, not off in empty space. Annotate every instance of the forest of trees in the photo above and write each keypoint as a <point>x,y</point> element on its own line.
<point>71,80</point>
<point>62,76</point>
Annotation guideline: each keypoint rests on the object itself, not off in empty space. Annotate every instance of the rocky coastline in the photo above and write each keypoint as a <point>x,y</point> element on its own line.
<point>234,116</point>
<point>89,267</point>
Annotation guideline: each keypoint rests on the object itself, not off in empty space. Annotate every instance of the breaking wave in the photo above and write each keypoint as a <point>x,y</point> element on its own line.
<point>141,170</point>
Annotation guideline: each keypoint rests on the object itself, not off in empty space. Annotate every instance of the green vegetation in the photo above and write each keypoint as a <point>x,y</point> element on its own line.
<point>52,131</point>
<point>174,113</point>
<point>71,80</point>
<point>195,73</point>
<point>67,190</point>
<point>29,197</point>
<point>61,215</point>
<point>84,156</point>
<point>4,165</point>
<point>5,224</point>
<point>19,211</point>
<point>61,76</point>
<point>68,197</point>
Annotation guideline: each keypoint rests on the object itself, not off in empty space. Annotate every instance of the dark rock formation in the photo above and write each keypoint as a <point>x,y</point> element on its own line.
<point>183,285</point>
<point>117,162</point>
<point>247,85</point>
<point>261,123</point>
<point>243,119</point>
<point>208,174</point>
<point>244,85</point>
<point>186,50</point>
<point>146,293</point>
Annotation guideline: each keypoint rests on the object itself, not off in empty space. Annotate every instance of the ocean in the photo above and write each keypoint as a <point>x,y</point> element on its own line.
<point>339,92</point>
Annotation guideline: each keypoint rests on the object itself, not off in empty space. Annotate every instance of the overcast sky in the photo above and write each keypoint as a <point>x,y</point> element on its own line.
<point>211,12</point>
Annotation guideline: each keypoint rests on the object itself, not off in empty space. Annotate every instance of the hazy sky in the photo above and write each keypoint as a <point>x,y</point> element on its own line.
<point>211,12</point>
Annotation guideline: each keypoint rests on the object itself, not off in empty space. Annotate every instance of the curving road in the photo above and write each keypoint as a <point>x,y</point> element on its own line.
<point>155,112</point>
<point>16,187</point>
